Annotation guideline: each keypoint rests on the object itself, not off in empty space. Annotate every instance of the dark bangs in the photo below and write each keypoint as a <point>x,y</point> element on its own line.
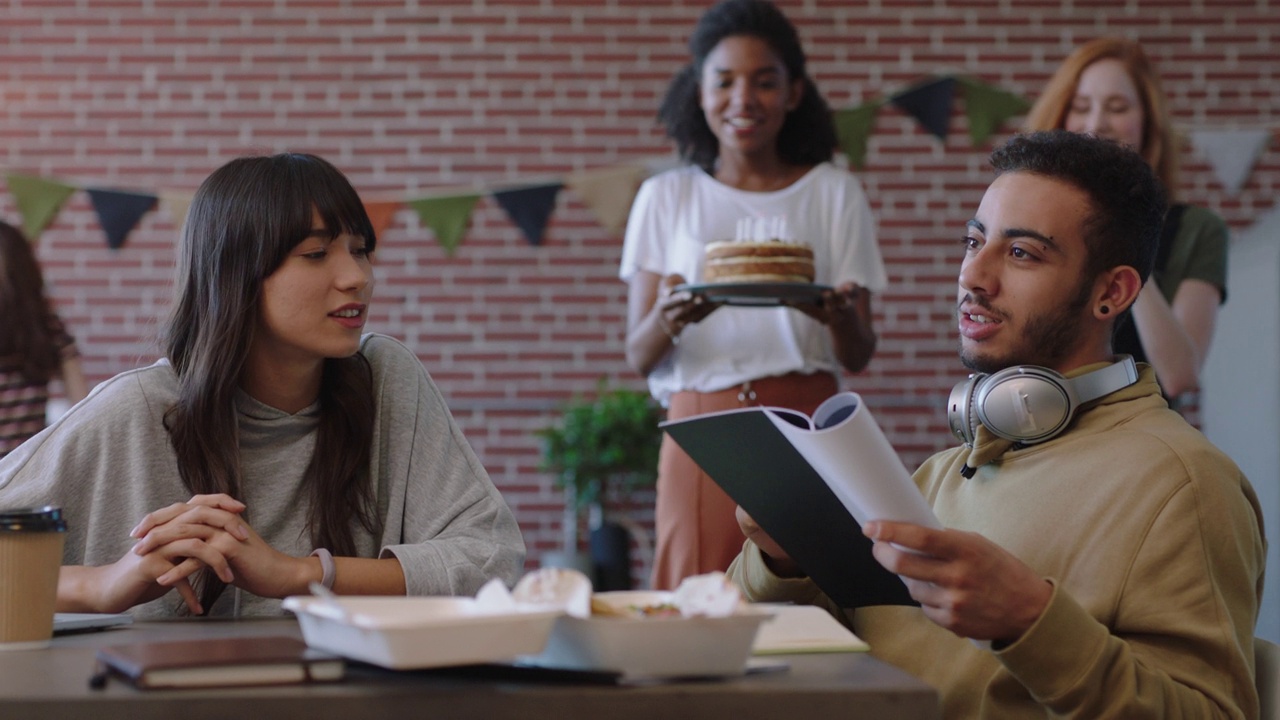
<point>244,221</point>
<point>306,182</point>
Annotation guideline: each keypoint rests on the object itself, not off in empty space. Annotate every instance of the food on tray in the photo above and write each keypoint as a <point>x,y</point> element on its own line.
<point>658,610</point>
<point>602,608</point>
<point>761,252</point>
<point>710,595</point>
<point>557,587</point>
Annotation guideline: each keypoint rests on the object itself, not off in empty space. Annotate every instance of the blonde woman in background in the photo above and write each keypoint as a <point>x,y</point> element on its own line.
<point>35,347</point>
<point>1108,87</point>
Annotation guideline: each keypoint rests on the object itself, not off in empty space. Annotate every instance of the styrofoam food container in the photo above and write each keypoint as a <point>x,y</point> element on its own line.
<point>653,647</point>
<point>421,632</point>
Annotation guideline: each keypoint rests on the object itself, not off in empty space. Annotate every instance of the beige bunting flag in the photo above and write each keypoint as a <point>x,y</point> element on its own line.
<point>608,192</point>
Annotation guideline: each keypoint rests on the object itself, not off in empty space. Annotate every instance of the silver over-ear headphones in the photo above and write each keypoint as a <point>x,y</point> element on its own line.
<point>1027,403</point>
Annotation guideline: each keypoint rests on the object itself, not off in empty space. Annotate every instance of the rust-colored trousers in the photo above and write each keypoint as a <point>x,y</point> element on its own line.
<point>696,529</point>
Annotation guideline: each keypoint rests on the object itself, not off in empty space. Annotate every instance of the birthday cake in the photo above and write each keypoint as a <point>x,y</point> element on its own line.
<point>731,261</point>
<point>761,252</point>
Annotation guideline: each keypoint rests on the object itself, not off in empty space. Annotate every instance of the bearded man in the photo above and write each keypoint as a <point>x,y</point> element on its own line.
<point>1101,559</point>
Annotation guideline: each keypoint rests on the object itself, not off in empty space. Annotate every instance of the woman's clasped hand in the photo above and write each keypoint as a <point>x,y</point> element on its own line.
<point>174,542</point>
<point>211,531</point>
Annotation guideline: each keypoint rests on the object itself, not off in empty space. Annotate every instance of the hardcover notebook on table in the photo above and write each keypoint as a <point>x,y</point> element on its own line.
<point>219,662</point>
<point>67,623</point>
<point>810,483</point>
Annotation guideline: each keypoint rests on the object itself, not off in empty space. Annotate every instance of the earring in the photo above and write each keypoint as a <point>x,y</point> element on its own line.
<point>1105,310</point>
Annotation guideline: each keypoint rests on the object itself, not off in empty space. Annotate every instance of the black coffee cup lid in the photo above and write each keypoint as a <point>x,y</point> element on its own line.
<point>42,519</point>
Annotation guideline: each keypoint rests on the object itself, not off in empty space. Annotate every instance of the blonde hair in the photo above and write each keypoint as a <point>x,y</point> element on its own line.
<point>1159,141</point>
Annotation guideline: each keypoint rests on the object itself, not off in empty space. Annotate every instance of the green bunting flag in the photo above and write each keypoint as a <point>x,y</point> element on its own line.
<point>447,216</point>
<point>987,107</point>
<point>853,127</point>
<point>38,199</point>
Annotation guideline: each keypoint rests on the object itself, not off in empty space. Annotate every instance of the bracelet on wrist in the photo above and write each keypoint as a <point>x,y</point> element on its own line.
<point>327,568</point>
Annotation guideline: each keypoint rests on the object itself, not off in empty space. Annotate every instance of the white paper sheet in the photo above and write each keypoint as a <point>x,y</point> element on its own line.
<point>858,463</point>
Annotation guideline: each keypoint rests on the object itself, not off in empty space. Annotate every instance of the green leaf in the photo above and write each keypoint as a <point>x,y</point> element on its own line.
<point>607,441</point>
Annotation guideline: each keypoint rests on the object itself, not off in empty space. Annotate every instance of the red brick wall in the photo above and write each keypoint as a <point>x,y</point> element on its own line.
<point>407,96</point>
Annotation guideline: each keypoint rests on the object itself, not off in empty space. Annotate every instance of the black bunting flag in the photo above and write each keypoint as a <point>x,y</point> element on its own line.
<point>529,208</point>
<point>119,212</point>
<point>929,103</point>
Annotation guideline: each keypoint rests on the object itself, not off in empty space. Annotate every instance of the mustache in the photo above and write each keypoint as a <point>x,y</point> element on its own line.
<point>983,303</point>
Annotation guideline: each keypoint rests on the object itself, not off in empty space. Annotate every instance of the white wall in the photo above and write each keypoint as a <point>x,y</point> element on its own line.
<point>1241,395</point>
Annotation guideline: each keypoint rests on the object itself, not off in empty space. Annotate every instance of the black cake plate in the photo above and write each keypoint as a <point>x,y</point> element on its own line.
<point>757,294</point>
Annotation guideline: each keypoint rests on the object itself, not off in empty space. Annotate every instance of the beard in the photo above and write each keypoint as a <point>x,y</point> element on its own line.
<point>1046,338</point>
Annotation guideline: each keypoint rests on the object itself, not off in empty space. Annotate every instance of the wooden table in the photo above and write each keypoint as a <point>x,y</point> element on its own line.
<point>53,683</point>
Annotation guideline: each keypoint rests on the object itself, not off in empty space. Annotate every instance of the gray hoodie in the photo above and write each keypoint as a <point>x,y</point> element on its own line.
<point>108,462</point>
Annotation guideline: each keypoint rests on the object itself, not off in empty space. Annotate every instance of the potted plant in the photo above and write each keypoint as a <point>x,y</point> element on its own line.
<point>601,445</point>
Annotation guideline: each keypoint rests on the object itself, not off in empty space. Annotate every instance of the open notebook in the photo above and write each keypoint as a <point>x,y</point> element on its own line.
<point>804,629</point>
<point>811,482</point>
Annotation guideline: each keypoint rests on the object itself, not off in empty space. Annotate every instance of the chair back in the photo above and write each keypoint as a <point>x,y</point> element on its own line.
<point>1266,666</point>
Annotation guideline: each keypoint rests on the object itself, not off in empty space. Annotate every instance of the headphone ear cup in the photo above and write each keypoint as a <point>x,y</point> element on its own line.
<point>960,410</point>
<point>1028,403</point>
<point>1025,404</point>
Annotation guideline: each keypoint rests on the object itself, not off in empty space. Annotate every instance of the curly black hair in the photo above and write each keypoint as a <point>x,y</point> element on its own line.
<point>1127,201</point>
<point>808,135</point>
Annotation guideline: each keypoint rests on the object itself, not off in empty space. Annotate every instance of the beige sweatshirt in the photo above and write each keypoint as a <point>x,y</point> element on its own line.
<point>1153,541</point>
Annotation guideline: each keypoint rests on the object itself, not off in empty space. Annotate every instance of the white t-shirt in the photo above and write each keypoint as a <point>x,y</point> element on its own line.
<point>678,212</point>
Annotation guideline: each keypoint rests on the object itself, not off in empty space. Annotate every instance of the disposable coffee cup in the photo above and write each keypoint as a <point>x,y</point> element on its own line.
<point>31,541</point>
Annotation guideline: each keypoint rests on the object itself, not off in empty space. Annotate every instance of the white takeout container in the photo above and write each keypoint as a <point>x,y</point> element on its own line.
<point>404,633</point>
<point>653,647</point>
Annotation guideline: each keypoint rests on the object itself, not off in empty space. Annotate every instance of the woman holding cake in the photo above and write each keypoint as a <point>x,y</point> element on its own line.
<point>1108,87</point>
<point>759,140</point>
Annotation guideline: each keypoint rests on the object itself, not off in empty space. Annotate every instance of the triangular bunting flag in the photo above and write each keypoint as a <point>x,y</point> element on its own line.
<point>119,212</point>
<point>446,216</point>
<point>1232,153</point>
<point>380,213</point>
<point>529,208</point>
<point>987,107</point>
<point>929,103</point>
<point>853,127</point>
<point>38,200</point>
<point>176,203</point>
<point>608,192</point>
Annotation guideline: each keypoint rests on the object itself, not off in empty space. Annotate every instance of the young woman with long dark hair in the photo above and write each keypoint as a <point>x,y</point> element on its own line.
<point>35,346</point>
<point>275,444</point>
